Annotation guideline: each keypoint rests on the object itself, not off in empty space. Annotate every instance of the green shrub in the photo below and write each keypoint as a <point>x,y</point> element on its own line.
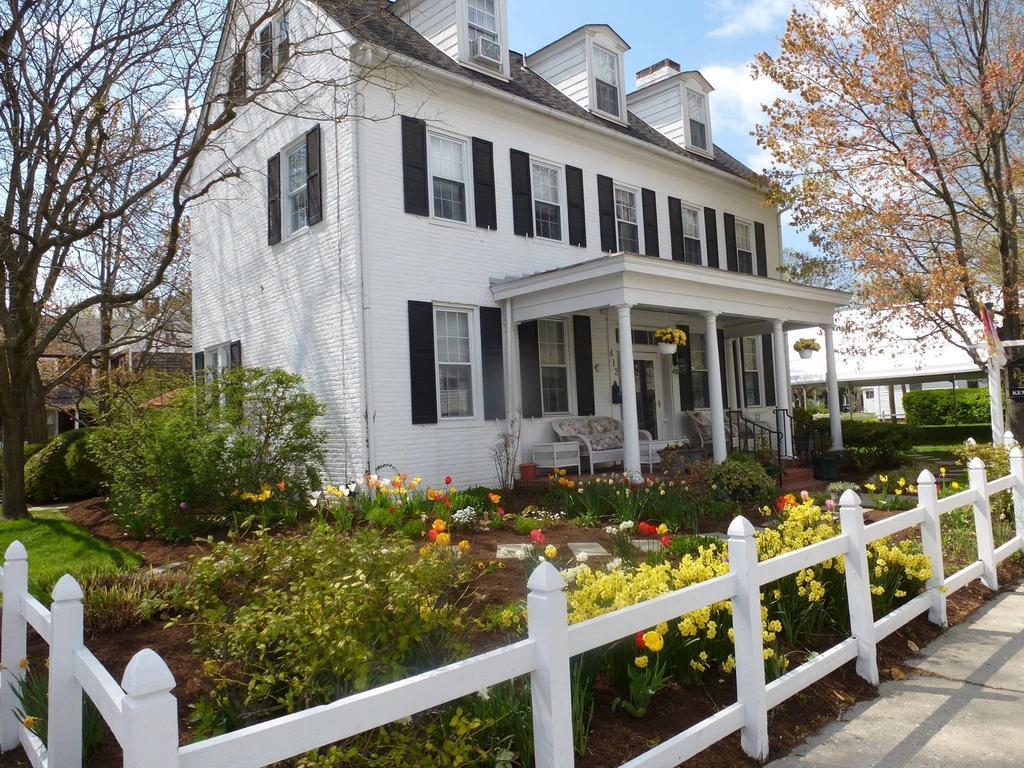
<point>946,406</point>
<point>742,480</point>
<point>65,468</point>
<point>242,448</point>
<point>286,623</point>
<point>946,434</point>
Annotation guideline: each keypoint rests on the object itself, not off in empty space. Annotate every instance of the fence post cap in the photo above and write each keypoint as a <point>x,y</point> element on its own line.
<point>1008,436</point>
<point>147,674</point>
<point>976,463</point>
<point>15,551</point>
<point>926,477</point>
<point>67,590</point>
<point>545,578</point>
<point>850,498</point>
<point>1016,452</point>
<point>741,528</point>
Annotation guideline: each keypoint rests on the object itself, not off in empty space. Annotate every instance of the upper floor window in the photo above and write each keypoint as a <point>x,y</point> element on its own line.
<point>448,177</point>
<point>273,47</point>
<point>297,194</point>
<point>554,366</point>
<point>691,235</point>
<point>697,113</point>
<point>751,371</point>
<point>483,23</point>
<point>626,220</point>
<point>744,248</point>
<point>606,81</point>
<point>547,201</point>
<point>454,363</point>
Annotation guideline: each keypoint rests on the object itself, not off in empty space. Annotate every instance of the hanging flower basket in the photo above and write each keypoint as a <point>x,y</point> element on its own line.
<point>806,347</point>
<point>669,339</point>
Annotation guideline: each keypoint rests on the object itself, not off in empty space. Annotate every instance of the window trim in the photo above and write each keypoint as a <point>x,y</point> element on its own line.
<point>759,357</point>
<point>562,195</point>
<point>709,149</point>
<point>475,379</point>
<point>463,49</point>
<point>467,164</point>
<point>620,74</point>
<point>286,194</point>
<point>638,207</point>
<point>750,242</point>
<point>570,371</point>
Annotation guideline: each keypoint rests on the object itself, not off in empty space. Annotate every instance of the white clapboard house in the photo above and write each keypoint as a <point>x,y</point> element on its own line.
<point>489,233</point>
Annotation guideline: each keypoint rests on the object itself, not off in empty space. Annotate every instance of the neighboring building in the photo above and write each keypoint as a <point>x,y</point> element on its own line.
<point>484,243</point>
<point>874,380</point>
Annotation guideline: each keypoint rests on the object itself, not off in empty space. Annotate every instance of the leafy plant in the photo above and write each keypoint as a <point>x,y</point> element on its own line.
<point>64,468</point>
<point>742,480</point>
<point>33,710</point>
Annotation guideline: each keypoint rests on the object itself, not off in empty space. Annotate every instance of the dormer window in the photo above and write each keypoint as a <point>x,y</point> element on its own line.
<point>606,82</point>
<point>483,23</point>
<point>697,114</point>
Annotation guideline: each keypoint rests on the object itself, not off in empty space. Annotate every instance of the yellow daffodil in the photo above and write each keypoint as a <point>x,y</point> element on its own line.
<point>550,551</point>
<point>662,529</point>
<point>641,662</point>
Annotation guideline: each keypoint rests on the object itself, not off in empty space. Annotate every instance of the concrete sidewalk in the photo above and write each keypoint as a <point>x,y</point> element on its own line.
<point>961,704</point>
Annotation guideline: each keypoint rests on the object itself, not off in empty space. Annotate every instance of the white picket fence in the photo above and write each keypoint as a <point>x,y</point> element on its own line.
<point>143,716</point>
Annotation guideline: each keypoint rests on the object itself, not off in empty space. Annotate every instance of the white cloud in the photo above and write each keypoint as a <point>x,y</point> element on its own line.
<point>737,99</point>
<point>748,17</point>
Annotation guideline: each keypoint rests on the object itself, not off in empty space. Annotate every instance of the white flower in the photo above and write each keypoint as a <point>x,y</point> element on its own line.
<point>611,530</point>
<point>614,564</point>
<point>625,525</point>
<point>582,557</point>
<point>484,694</point>
<point>971,442</point>
<point>521,554</point>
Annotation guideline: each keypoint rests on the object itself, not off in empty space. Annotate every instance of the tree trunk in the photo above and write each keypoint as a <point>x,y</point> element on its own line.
<point>35,409</point>
<point>14,504</point>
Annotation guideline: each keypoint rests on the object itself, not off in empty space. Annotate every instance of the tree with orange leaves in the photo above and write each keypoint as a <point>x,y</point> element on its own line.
<point>901,149</point>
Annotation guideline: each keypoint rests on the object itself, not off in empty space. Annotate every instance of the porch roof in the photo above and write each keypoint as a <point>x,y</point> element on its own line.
<point>646,282</point>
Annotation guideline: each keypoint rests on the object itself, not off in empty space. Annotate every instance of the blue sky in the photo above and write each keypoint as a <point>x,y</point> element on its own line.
<point>718,37</point>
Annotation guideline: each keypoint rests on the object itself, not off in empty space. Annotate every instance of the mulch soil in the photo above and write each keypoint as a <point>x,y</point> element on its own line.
<point>614,737</point>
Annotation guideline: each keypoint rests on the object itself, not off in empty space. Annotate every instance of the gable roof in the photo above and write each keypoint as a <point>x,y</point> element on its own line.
<point>373,22</point>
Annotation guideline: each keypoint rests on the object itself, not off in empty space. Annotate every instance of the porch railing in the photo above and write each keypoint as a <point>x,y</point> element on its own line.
<point>757,439</point>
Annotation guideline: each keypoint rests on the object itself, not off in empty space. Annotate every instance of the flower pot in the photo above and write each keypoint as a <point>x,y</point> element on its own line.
<point>805,354</point>
<point>667,349</point>
<point>527,472</point>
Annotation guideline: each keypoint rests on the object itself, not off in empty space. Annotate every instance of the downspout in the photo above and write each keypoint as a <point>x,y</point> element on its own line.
<point>367,368</point>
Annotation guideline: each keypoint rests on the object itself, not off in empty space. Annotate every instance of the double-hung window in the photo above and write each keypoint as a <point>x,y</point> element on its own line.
<point>483,20</point>
<point>266,53</point>
<point>626,220</point>
<point>744,248</point>
<point>697,112</point>
<point>699,370</point>
<point>691,235</point>
<point>297,200</point>
<point>448,177</point>
<point>606,81</point>
<point>547,201</point>
<point>751,371</point>
<point>554,366</point>
<point>454,363</point>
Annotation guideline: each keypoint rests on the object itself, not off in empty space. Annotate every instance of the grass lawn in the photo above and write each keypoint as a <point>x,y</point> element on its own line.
<point>57,546</point>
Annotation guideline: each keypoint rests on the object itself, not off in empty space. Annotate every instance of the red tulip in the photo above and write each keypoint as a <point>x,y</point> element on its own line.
<point>666,541</point>
<point>501,512</point>
<point>640,640</point>
<point>432,534</point>
<point>447,479</point>
<point>537,536</point>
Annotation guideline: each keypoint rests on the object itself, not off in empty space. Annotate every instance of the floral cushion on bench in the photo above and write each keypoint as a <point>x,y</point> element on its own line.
<point>604,433</point>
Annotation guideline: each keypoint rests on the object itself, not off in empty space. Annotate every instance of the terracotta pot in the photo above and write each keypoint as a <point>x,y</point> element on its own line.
<point>527,472</point>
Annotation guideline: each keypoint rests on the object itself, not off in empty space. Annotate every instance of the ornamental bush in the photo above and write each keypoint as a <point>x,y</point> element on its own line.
<point>742,479</point>
<point>929,407</point>
<point>65,468</point>
<point>241,448</point>
<point>286,623</point>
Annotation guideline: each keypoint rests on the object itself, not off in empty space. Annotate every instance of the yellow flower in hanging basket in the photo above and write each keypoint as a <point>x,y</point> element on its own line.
<point>670,336</point>
<point>806,344</point>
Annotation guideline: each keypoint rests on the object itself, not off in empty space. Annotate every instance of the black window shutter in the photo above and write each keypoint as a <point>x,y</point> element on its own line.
<point>274,200</point>
<point>492,363</point>
<point>414,166</point>
<point>266,53</point>
<point>421,362</point>
<point>721,364</point>
<point>739,368</point>
<point>711,236</point>
<point>314,187</point>
<point>529,369</point>
<point>522,194</point>
<point>584,359</point>
<point>675,228</point>
<point>684,363</point>
<point>483,185</point>
<point>576,207</point>
<point>199,361</point>
<point>650,203</point>
<point>606,212</point>
<point>235,354</point>
<point>768,356</point>
<point>760,249</point>
<point>731,260</point>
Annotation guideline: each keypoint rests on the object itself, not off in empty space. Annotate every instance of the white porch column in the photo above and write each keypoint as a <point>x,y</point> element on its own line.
<point>834,406</point>
<point>630,422</point>
<point>782,390</point>
<point>715,374</point>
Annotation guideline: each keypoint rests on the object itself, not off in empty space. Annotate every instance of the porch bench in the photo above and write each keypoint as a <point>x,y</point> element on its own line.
<point>600,437</point>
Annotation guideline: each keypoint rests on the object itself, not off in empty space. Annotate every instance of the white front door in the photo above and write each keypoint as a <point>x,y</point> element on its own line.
<point>650,410</point>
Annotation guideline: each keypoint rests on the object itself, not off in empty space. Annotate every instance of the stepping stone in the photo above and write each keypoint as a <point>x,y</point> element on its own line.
<point>588,548</point>
<point>511,551</point>
<point>646,545</point>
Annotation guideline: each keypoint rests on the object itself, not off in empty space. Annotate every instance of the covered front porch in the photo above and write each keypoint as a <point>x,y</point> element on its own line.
<point>735,364</point>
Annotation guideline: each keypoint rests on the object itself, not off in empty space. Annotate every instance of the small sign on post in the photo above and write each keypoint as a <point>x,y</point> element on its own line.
<point>1015,374</point>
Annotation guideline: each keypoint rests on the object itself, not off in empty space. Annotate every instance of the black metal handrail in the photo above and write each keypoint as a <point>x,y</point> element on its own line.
<point>748,436</point>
